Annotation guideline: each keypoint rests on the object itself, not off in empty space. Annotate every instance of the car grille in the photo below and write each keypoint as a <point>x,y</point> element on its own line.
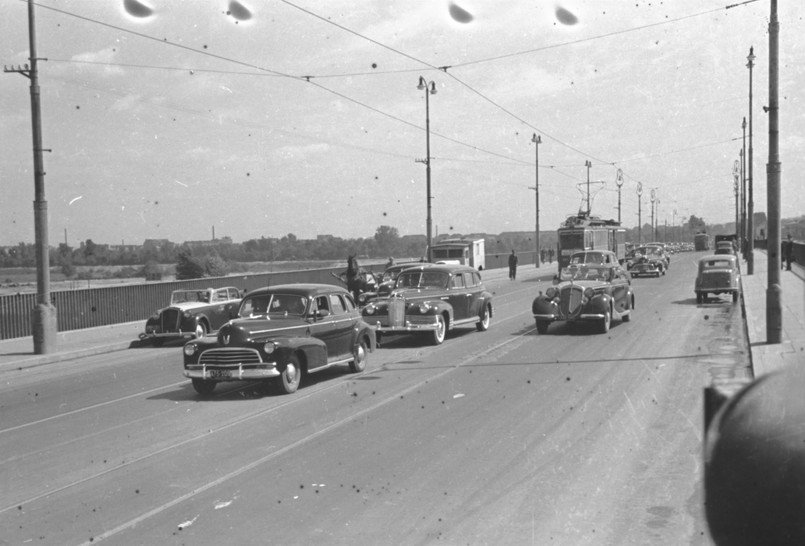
<point>229,357</point>
<point>716,279</point>
<point>396,312</point>
<point>570,300</point>
<point>169,320</point>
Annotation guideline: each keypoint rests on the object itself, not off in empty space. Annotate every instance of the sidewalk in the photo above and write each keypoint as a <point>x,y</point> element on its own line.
<point>769,357</point>
<point>17,354</point>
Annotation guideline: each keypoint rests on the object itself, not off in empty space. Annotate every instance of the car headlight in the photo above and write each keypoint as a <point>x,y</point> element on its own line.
<point>269,347</point>
<point>190,349</point>
<point>187,314</point>
<point>369,310</point>
<point>589,293</point>
<point>423,307</point>
<point>550,293</point>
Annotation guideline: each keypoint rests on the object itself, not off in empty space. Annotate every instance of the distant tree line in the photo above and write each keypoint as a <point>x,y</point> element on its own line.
<point>213,258</point>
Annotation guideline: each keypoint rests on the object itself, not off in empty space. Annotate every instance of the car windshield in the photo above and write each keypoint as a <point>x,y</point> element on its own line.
<point>648,251</point>
<point>718,264</point>
<point>585,272</point>
<point>587,258</point>
<point>422,279</point>
<point>184,296</point>
<point>273,305</point>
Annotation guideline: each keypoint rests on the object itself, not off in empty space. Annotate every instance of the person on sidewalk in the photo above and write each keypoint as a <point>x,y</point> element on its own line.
<point>512,265</point>
<point>788,252</point>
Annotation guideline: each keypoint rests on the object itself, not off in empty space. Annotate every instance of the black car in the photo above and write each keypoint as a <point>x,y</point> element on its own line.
<point>432,299</point>
<point>281,334</point>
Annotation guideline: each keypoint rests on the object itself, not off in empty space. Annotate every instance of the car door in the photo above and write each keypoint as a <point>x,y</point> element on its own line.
<point>332,324</point>
<point>474,289</point>
<point>458,297</point>
<point>620,290</point>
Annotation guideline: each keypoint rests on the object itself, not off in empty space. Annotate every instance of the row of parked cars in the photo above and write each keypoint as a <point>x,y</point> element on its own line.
<point>279,334</point>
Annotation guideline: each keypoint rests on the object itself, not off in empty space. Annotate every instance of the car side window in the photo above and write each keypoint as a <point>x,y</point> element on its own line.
<point>457,281</point>
<point>336,305</point>
<point>221,295</point>
<point>322,304</point>
<point>350,303</point>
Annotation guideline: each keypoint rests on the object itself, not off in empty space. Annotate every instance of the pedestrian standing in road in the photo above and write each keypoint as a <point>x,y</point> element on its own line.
<point>788,252</point>
<point>512,265</point>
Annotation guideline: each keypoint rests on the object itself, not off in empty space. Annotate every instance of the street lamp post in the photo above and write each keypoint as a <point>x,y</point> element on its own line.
<point>430,89</point>
<point>537,140</point>
<point>735,175</point>
<point>639,213</point>
<point>743,191</point>
<point>653,198</point>
<point>750,250</point>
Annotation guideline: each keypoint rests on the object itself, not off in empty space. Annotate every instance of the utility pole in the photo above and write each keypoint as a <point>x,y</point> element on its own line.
<point>750,251</point>
<point>588,165</point>
<point>774,314</point>
<point>44,324</point>
<point>537,140</point>
<point>653,198</point>
<point>743,191</point>
<point>619,183</point>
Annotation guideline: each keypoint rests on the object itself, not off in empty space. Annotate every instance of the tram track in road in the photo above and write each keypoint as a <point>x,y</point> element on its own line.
<point>297,399</point>
<point>301,441</point>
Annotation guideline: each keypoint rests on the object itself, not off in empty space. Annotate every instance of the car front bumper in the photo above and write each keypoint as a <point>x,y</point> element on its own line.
<point>232,373</point>
<point>410,324</point>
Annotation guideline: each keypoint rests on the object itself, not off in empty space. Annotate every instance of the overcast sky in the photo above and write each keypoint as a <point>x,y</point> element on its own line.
<point>168,119</point>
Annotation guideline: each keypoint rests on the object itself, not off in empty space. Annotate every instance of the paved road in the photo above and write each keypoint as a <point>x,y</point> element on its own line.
<point>503,437</point>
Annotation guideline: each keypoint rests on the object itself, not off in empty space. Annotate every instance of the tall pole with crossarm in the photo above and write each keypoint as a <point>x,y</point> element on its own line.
<point>430,89</point>
<point>43,320</point>
<point>537,140</point>
<point>750,250</point>
<point>774,311</point>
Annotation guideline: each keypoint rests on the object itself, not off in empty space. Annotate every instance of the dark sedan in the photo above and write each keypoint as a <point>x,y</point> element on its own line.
<point>587,292</point>
<point>281,334</point>
<point>432,299</point>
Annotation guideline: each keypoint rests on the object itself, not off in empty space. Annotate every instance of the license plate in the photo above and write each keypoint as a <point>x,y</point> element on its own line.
<point>220,374</point>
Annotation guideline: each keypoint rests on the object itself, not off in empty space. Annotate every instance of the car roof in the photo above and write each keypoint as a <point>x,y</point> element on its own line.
<point>300,289</point>
<point>446,268</point>
<point>718,257</point>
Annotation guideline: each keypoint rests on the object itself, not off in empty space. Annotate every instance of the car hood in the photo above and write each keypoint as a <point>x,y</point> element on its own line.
<point>247,329</point>
<point>186,306</point>
<point>582,283</point>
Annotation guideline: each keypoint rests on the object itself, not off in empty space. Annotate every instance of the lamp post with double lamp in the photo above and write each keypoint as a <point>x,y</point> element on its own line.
<point>430,89</point>
<point>537,140</point>
<point>588,165</point>
<point>750,249</point>
<point>619,183</point>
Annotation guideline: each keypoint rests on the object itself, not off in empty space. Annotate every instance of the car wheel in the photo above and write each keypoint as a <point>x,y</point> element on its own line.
<point>735,297</point>
<point>201,329</point>
<point>203,386</point>
<point>699,297</point>
<point>627,315</point>
<point>291,376</point>
<point>360,354</point>
<point>437,335</point>
<point>483,324</point>
<point>603,325</point>
<point>542,326</point>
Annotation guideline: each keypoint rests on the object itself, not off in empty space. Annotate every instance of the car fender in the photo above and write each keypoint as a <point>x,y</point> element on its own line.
<point>313,350</point>
<point>600,303</point>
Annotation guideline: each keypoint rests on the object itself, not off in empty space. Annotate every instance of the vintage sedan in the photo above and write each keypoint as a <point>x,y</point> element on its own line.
<point>282,333</point>
<point>192,313</point>
<point>432,299</point>
<point>718,274</point>
<point>649,261</point>
<point>596,293</point>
